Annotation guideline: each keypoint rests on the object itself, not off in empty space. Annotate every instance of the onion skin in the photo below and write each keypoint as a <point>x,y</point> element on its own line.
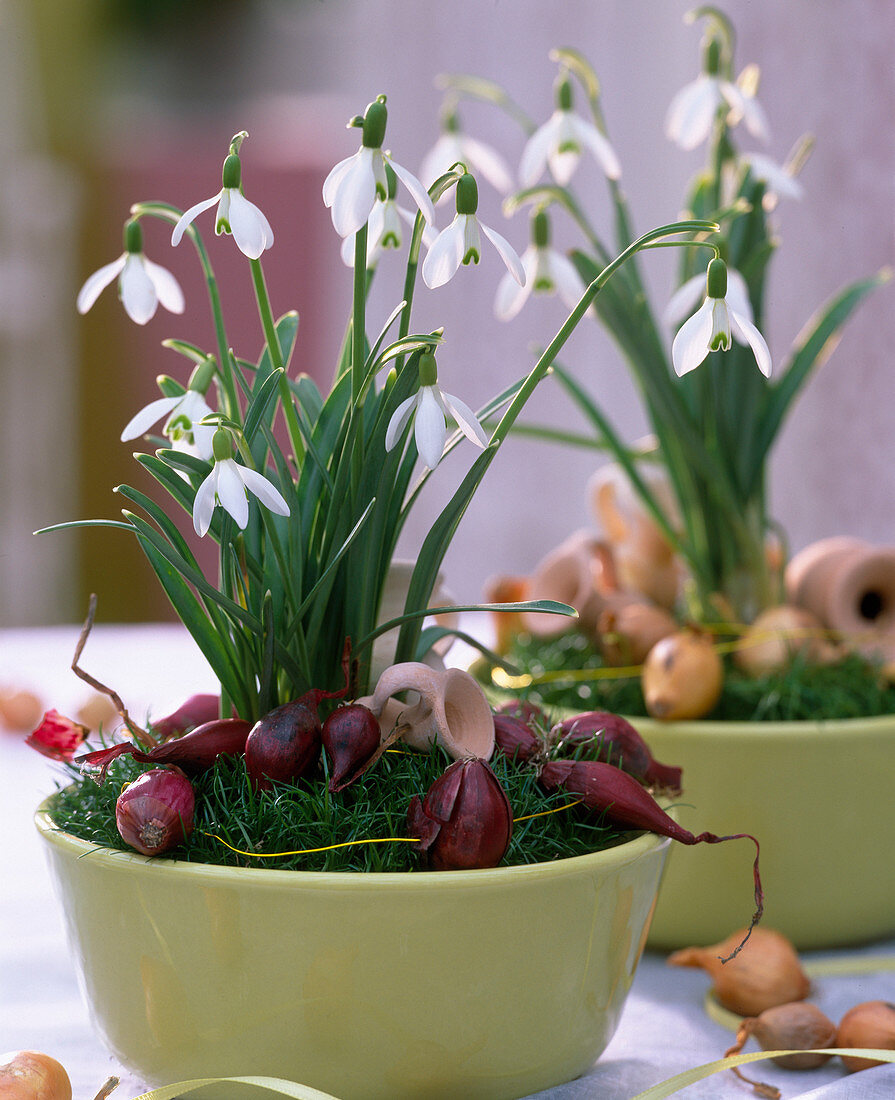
<point>284,745</point>
<point>195,752</point>
<point>615,741</point>
<point>682,677</point>
<point>621,798</point>
<point>196,711</point>
<point>350,737</point>
<point>464,821</point>
<point>31,1075</point>
<point>766,974</point>
<point>871,1025</point>
<point>155,812</point>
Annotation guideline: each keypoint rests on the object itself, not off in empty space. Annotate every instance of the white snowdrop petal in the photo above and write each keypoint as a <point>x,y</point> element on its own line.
<point>486,161</point>
<point>569,283</point>
<point>466,419</point>
<point>141,423</point>
<point>96,283</point>
<point>138,295</point>
<point>589,136</point>
<point>269,495</point>
<point>445,152</point>
<point>356,194</point>
<point>166,286</point>
<point>398,422</point>
<point>231,492</point>
<point>445,256</point>
<point>691,345</point>
<point>510,297</point>
<point>507,254</point>
<point>692,111</point>
<point>746,333</point>
<point>248,225</point>
<point>190,215</point>
<point>429,429</point>
<point>685,299</point>
<point>537,148</point>
<point>204,504</point>
<point>416,189</point>
<point>332,181</point>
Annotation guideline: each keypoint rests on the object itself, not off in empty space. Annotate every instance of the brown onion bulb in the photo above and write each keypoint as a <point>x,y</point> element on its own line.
<point>777,635</point>
<point>626,634</point>
<point>682,677</point>
<point>31,1075</point>
<point>767,971</point>
<point>798,1025</point>
<point>870,1025</point>
<point>155,812</point>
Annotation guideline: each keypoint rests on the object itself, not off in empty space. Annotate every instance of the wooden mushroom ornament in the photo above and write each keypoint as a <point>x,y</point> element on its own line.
<point>448,709</point>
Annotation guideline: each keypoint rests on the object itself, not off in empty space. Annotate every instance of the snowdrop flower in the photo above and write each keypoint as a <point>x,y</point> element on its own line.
<point>430,406</point>
<point>689,295</point>
<point>692,112</point>
<point>351,188</point>
<point>778,181</point>
<point>558,144</point>
<point>455,147</point>
<point>184,414</point>
<point>384,229</point>
<point>461,242</point>
<point>141,283</point>
<point>228,485</point>
<point>235,214</point>
<point>547,271</point>
<point>712,325</point>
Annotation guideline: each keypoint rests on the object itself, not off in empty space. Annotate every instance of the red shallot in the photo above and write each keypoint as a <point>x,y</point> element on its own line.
<point>155,812</point>
<point>616,741</point>
<point>194,752</point>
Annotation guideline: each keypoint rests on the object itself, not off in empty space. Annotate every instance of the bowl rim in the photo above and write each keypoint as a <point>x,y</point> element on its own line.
<point>111,859</point>
<point>815,728</point>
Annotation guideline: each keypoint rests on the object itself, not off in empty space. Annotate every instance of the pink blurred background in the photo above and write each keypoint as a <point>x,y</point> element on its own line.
<point>105,103</point>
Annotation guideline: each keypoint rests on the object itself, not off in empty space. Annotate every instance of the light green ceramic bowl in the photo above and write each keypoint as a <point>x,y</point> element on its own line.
<point>819,798</point>
<point>490,983</point>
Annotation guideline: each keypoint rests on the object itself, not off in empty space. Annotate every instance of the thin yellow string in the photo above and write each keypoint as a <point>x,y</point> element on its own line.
<point>371,840</point>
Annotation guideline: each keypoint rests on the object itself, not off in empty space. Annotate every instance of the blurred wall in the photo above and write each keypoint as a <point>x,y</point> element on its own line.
<point>171,91</point>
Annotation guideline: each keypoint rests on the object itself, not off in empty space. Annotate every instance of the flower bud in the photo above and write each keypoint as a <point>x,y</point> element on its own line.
<point>464,821</point>
<point>350,736</point>
<point>155,812</point>
<point>57,736</point>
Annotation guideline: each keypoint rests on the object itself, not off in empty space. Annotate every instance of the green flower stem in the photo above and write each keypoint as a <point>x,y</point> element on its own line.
<point>359,311</point>
<point>172,214</point>
<point>555,346</point>
<point>276,359</point>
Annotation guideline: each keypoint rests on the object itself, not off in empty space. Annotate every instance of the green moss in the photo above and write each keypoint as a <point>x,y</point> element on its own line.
<point>305,815</point>
<point>852,688</point>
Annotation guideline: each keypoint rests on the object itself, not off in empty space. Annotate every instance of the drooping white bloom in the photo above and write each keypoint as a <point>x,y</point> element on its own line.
<point>689,295</point>
<point>182,427</point>
<point>228,485</point>
<point>692,111</point>
<point>461,241</point>
<point>547,271</point>
<point>430,406</point>
<point>235,214</point>
<point>456,147</point>
<point>351,188</point>
<point>384,228</point>
<point>142,284</point>
<point>777,179</point>
<point>712,326</point>
<point>559,142</point>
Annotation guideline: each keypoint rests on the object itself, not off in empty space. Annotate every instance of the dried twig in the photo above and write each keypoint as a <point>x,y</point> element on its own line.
<point>136,731</point>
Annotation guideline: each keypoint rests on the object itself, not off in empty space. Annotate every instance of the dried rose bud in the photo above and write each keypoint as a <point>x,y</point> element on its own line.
<point>284,744</point>
<point>465,819</point>
<point>194,752</point>
<point>57,736</point>
<point>615,741</point>
<point>516,739</point>
<point>155,812</point>
<point>350,736</point>
<point>196,711</point>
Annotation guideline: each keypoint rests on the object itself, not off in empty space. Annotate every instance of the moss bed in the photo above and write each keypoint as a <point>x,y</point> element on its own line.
<point>851,688</point>
<point>304,815</point>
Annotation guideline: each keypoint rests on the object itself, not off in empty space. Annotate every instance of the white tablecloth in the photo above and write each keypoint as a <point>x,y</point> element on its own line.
<point>664,1029</point>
